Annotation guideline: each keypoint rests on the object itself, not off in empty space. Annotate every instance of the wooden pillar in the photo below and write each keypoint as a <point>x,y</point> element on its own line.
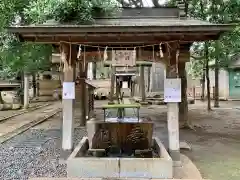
<point>69,55</point>
<point>183,105</point>
<point>94,70</point>
<point>142,84</point>
<point>113,79</point>
<point>83,96</point>
<point>133,81</point>
<point>184,56</point>
<point>173,109</point>
<point>26,91</point>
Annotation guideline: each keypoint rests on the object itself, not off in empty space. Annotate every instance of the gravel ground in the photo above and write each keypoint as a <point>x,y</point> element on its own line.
<point>35,153</point>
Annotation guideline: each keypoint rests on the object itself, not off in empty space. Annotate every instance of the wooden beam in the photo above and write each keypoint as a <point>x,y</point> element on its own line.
<point>109,35</point>
<point>120,29</point>
<point>120,39</point>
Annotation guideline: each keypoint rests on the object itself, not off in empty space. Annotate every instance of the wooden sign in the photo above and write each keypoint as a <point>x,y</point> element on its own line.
<point>125,58</point>
<point>129,136</point>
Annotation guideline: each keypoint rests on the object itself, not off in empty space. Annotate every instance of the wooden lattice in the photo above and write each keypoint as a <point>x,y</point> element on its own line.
<point>90,101</point>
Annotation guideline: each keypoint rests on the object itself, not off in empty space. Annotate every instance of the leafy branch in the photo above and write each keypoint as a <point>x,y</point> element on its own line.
<point>73,11</point>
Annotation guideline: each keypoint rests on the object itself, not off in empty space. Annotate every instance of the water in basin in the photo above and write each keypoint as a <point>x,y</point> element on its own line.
<point>125,119</point>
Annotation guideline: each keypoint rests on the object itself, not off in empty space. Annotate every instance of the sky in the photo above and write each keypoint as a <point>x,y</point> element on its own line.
<point>148,3</point>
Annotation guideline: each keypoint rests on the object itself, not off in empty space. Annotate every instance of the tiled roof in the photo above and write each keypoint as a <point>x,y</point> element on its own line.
<point>142,22</point>
<point>153,21</point>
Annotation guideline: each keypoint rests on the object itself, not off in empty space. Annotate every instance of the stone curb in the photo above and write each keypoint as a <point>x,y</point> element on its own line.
<point>107,178</point>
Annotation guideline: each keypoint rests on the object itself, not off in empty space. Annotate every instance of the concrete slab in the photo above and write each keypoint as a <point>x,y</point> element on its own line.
<point>93,167</point>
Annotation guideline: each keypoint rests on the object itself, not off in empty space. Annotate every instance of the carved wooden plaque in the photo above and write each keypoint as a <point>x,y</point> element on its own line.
<point>124,135</point>
<point>125,57</point>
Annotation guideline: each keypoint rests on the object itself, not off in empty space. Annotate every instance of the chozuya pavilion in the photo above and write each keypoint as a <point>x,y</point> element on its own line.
<point>164,33</point>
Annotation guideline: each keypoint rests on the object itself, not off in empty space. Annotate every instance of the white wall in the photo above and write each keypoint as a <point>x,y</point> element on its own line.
<point>236,63</point>
<point>223,82</point>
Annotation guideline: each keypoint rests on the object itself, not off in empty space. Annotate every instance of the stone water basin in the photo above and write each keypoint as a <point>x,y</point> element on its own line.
<point>80,164</point>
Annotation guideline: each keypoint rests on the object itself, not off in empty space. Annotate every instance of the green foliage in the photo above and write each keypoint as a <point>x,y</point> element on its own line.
<point>196,65</point>
<point>74,11</point>
<point>17,57</point>
<point>214,11</point>
<point>38,11</point>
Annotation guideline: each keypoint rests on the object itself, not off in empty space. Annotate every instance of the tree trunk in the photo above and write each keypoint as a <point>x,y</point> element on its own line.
<point>83,74</point>
<point>203,85</point>
<point>26,91</point>
<point>38,87</point>
<point>21,93</point>
<point>216,89</point>
<point>34,85</point>
<point>207,77</point>
<point>183,105</point>
<point>156,3</point>
<point>206,58</point>
<point>94,69</point>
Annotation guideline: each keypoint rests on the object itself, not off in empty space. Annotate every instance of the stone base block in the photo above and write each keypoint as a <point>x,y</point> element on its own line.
<point>79,165</point>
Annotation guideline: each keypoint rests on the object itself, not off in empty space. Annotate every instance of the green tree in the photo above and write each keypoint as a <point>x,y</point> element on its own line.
<point>214,11</point>
<point>17,57</point>
<point>74,11</point>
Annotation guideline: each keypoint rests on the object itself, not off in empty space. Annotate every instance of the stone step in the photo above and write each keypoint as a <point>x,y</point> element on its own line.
<point>107,178</point>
